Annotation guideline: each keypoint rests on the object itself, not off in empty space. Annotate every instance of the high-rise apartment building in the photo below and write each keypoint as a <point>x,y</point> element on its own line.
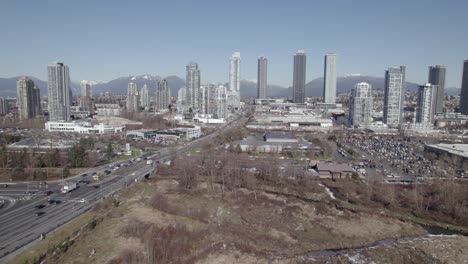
<point>233,94</point>
<point>394,96</point>
<point>234,72</point>
<point>221,102</point>
<point>145,99</point>
<point>3,106</point>
<point>163,95</point>
<point>59,92</point>
<point>464,90</point>
<point>426,102</point>
<point>25,98</point>
<point>262,85</point>
<point>208,99</point>
<point>329,79</point>
<point>360,105</point>
<point>132,98</point>
<point>192,82</point>
<point>299,77</point>
<point>437,78</point>
<point>37,108</point>
<point>86,89</point>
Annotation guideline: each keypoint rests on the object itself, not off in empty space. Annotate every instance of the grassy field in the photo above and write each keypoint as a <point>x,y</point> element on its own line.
<point>158,222</point>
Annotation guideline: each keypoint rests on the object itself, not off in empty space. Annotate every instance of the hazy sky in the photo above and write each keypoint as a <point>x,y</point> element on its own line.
<point>103,40</point>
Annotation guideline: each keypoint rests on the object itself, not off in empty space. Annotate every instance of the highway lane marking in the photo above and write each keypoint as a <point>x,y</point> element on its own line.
<point>104,191</point>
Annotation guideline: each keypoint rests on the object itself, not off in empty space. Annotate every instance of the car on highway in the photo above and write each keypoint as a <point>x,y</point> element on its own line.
<point>107,171</point>
<point>39,206</point>
<point>4,185</point>
<point>40,213</point>
<point>84,175</point>
<point>47,193</point>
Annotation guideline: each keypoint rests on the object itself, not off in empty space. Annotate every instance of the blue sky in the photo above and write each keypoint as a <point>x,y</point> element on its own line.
<point>103,40</point>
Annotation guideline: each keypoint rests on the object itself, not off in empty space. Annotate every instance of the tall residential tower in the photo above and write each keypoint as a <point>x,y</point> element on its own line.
<point>86,89</point>
<point>360,105</point>
<point>145,99</point>
<point>25,98</point>
<point>329,79</point>
<point>59,92</point>
<point>299,77</point>
<point>163,95</point>
<point>262,78</point>
<point>464,90</point>
<point>394,96</point>
<point>132,98</point>
<point>192,82</point>
<point>437,77</point>
<point>426,102</point>
<point>234,72</point>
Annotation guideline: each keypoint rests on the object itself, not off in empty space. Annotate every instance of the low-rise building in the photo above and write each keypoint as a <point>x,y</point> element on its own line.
<point>274,142</point>
<point>83,128</point>
<point>108,109</point>
<point>166,136</point>
<point>333,170</point>
<point>141,134</point>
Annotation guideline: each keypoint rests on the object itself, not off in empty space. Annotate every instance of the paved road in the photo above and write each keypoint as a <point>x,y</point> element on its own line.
<point>19,222</point>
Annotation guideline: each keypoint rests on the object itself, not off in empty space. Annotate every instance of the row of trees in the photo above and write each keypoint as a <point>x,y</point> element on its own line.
<point>445,201</point>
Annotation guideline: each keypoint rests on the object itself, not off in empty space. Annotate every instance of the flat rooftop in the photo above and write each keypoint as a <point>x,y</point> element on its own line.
<point>43,144</point>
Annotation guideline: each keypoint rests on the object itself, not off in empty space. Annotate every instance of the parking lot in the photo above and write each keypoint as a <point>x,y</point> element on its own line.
<point>395,157</point>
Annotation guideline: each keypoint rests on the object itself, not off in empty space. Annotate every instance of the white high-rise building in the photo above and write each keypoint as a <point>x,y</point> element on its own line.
<point>393,96</point>
<point>59,92</point>
<point>221,104</point>
<point>360,105</point>
<point>234,72</point>
<point>132,98</point>
<point>181,96</point>
<point>233,94</point>
<point>192,83</point>
<point>145,99</point>
<point>163,95</point>
<point>329,80</point>
<point>207,93</point>
<point>86,89</point>
<point>427,95</point>
<point>182,106</point>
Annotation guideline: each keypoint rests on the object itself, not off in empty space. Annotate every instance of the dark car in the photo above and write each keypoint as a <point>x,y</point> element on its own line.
<point>107,171</point>
<point>39,206</point>
<point>48,193</point>
<point>84,175</point>
<point>40,213</point>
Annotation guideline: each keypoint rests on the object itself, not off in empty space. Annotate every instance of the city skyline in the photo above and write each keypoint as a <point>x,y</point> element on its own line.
<point>110,61</point>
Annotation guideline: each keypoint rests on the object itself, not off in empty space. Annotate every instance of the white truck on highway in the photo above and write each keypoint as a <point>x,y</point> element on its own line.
<point>68,187</point>
<point>149,162</point>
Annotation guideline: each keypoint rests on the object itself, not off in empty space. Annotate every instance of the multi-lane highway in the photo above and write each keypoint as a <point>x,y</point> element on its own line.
<point>23,221</point>
<point>32,209</point>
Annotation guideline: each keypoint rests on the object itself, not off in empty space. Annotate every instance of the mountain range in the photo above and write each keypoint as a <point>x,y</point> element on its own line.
<point>248,88</point>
